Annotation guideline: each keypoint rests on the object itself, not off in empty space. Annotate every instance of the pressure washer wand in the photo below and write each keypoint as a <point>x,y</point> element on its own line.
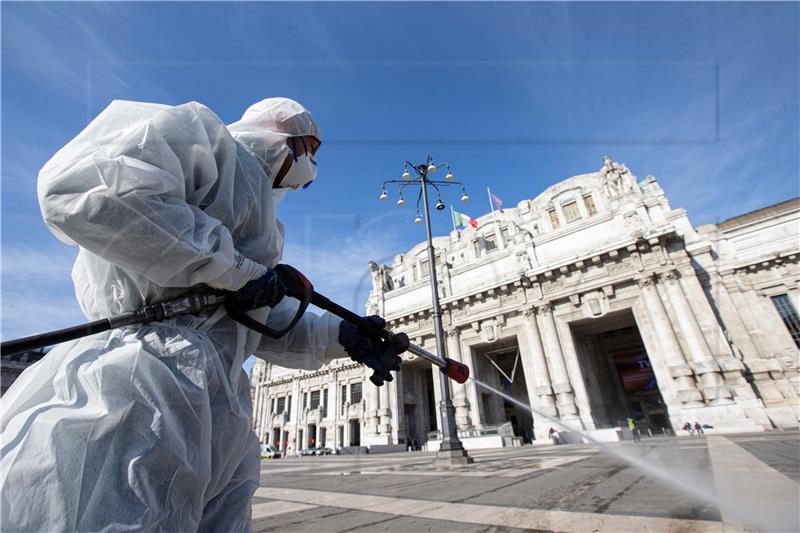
<point>297,285</point>
<point>456,371</point>
<point>185,305</point>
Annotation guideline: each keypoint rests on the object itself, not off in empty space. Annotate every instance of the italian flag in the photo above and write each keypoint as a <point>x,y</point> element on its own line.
<point>460,219</point>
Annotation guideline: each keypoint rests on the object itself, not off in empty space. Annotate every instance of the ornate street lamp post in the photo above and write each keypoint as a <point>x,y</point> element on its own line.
<point>452,451</point>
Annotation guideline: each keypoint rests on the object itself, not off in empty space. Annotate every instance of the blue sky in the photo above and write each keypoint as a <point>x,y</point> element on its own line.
<point>515,96</point>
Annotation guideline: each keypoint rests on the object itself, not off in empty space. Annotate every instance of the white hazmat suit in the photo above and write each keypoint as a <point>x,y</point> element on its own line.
<point>148,427</point>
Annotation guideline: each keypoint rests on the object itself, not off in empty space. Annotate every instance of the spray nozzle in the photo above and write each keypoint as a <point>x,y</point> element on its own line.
<point>458,372</point>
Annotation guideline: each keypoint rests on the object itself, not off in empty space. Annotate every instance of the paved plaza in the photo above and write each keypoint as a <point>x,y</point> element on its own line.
<point>754,478</point>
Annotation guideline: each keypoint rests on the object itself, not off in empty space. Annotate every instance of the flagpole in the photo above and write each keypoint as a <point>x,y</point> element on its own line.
<point>453,217</point>
<point>491,204</point>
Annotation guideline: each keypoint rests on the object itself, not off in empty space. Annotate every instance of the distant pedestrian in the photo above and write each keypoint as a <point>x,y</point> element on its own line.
<point>688,427</point>
<point>634,430</point>
<point>553,435</point>
<point>698,428</point>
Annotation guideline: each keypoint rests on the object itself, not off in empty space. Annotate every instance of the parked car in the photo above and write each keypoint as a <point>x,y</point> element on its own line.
<point>307,451</point>
<point>270,451</point>
<point>324,451</point>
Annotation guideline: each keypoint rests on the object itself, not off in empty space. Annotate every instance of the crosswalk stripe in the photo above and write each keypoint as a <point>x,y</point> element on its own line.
<point>748,486</point>
<point>275,508</point>
<point>495,472</point>
<point>489,514</point>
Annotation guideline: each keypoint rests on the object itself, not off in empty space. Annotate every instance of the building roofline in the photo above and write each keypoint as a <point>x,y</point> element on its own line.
<point>786,206</point>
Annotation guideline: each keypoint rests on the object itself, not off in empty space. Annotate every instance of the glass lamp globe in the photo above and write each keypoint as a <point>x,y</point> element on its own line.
<point>431,168</point>
<point>401,202</point>
<point>406,175</point>
<point>465,198</point>
<point>418,220</point>
<point>383,196</point>
<point>449,176</point>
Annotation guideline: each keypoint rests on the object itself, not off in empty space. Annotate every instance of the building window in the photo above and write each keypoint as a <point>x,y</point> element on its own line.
<point>343,400</point>
<point>554,219</point>
<point>490,242</point>
<point>305,400</point>
<point>325,400</point>
<point>424,271</point>
<point>506,236</point>
<point>289,404</point>
<point>476,247</point>
<point>272,405</point>
<point>355,393</point>
<point>571,212</point>
<point>314,399</point>
<point>789,316</point>
<point>591,208</point>
<point>281,404</point>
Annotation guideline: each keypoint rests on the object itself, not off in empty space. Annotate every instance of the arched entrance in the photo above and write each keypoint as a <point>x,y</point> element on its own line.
<point>499,364</point>
<point>618,374</point>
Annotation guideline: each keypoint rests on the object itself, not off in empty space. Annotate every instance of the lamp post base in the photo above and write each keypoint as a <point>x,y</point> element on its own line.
<point>449,458</point>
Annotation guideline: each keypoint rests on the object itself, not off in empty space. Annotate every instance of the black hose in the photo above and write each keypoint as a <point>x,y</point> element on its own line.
<point>54,337</point>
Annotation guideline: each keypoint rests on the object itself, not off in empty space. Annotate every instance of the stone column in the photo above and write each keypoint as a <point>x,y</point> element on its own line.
<point>371,407</point>
<point>437,394</point>
<point>472,394</point>
<point>396,406</point>
<point>534,364</point>
<point>704,364</point>
<point>297,400</point>
<point>266,413</point>
<point>558,368</point>
<point>460,401</point>
<point>263,406</point>
<point>385,412</point>
<point>580,395</point>
<point>537,377</point>
<point>256,406</point>
<point>333,395</point>
<point>670,347</point>
<point>773,376</point>
<point>734,318</point>
<point>261,400</point>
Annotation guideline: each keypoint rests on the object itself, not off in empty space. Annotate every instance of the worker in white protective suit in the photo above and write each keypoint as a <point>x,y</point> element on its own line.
<point>148,427</point>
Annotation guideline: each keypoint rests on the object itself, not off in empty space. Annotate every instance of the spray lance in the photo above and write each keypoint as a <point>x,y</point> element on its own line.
<point>297,286</point>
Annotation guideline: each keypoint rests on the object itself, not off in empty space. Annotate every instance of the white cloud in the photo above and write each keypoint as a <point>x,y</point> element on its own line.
<point>37,293</point>
<point>56,47</point>
<point>31,310</point>
<point>52,264</point>
<point>338,267</point>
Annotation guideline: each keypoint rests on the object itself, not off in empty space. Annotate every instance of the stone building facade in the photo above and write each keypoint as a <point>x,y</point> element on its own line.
<point>593,302</point>
<point>11,366</point>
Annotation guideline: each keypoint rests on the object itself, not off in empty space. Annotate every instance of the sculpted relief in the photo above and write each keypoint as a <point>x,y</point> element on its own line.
<point>618,180</point>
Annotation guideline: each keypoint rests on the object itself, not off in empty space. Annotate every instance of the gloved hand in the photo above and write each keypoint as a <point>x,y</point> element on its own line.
<point>379,355</point>
<point>265,291</point>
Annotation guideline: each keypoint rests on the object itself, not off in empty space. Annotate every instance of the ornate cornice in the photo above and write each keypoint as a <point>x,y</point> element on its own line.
<point>646,281</point>
<point>546,307</point>
<point>669,275</point>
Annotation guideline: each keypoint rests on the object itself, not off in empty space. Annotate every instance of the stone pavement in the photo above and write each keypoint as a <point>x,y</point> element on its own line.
<point>543,488</point>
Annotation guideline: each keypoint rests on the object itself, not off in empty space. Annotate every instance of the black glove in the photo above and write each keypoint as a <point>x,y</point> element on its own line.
<point>265,291</point>
<point>379,355</point>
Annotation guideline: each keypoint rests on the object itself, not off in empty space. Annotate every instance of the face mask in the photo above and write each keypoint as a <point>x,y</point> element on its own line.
<point>301,174</point>
<point>303,169</point>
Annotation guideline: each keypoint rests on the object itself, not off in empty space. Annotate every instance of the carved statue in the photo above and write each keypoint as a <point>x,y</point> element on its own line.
<point>381,280</point>
<point>444,282</point>
<point>618,178</point>
<point>377,275</point>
